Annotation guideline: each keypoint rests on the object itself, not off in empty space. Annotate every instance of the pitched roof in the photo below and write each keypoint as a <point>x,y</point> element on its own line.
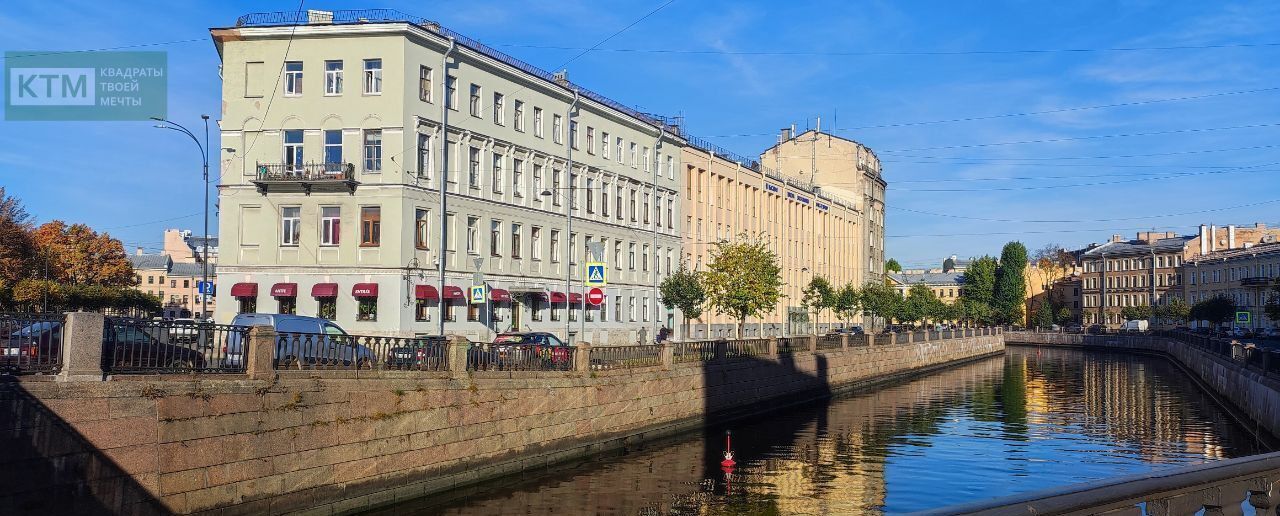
<point>150,261</point>
<point>1134,247</point>
<point>194,270</point>
<point>928,278</point>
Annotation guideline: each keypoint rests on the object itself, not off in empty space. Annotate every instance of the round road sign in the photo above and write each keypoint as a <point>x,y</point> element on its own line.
<point>595,296</point>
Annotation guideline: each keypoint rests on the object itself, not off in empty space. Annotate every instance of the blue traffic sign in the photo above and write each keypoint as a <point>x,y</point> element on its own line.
<point>205,287</point>
<point>596,276</point>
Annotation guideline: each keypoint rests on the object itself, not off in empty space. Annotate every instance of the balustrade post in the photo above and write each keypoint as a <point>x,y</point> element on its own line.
<point>668,355</point>
<point>260,356</point>
<point>813,344</point>
<point>458,349</point>
<point>844,341</point>
<point>771,349</point>
<point>1237,350</point>
<point>720,349</point>
<point>926,335</point>
<point>911,337</point>
<point>582,357</point>
<point>82,347</point>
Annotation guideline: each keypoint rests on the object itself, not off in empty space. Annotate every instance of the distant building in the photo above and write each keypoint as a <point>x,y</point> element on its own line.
<point>175,283</point>
<point>1246,275</point>
<point>947,281</point>
<point>183,247</point>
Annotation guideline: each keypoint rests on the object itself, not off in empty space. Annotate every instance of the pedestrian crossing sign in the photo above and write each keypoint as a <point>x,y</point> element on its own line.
<point>477,295</point>
<point>596,275</point>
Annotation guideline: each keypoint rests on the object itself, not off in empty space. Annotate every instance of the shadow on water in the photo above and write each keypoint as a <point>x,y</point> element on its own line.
<point>47,467</point>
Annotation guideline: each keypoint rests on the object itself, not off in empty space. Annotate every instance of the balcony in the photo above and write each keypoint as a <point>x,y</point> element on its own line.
<point>1256,281</point>
<point>322,177</point>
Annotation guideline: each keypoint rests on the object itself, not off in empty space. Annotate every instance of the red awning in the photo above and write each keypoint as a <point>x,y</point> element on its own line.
<point>244,290</point>
<point>451,292</point>
<point>284,290</point>
<point>425,292</point>
<point>324,290</point>
<point>556,297</point>
<point>499,295</point>
<point>364,290</point>
<point>575,298</point>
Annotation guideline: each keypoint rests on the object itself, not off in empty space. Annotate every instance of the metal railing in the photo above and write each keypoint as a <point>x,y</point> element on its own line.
<point>693,351</point>
<point>306,172</point>
<point>31,342</point>
<point>857,340</point>
<point>1218,487</point>
<point>831,341</point>
<point>295,350</point>
<point>746,348</point>
<point>140,346</point>
<point>901,337</point>
<point>624,357</point>
<point>520,357</point>
<point>791,345</point>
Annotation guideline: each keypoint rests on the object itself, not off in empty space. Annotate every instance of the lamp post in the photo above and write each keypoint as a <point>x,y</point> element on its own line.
<point>568,225</point>
<point>204,157</point>
<point>443,185</point>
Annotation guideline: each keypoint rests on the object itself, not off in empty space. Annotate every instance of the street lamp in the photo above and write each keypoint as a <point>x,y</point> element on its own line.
<point>204,157</point>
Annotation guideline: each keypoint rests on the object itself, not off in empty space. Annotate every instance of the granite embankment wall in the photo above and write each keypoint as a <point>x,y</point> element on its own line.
<point>334,441</point>
<point>1244,376</point>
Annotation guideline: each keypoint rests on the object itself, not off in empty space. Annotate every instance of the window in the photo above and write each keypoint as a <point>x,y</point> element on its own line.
<point>475,100</point>
<point>646,208</point>
<point>290,229</point>
<point>556,135</point>
<point>618,205</point>
<point>519,116</point>
<point>495,238</point>
<point>497,173</point>
<point>473,168</point>
<point>619,148</point>
<point>516,229</point>
<point>473,313</point>
<point>186,283</point>
<point>604,200</point>
<point>591,140</point>
<point>422,310</point>
<point>645,315</point>
<point>248,305</point>
<point>573,244</point>
<point>671,214</point>
<point>293,150</point>
<point>617,254</point>
<point>535,240</point>
<point>367,309</point>
<point>333,77</point>
<point>328,308</point>
<point>330,225</point>
<point>373,76</point>
<point>555,187</point>
<point>573,191</point>
<point>173,283</point>
<point>288,305</point>
<point>537,121</point>
<point>671,167</point>
<point>370,226</point>
<point>632,204</point>
<point>422,228</point>
<point>617,308</point>
<point>537,180</point>
<point>604,145</point>
<point>451,92</point>
<point>424,84</point>
<point>292,78</point>
<point>535,307</point>
<point>590,197</point>
<point>631,256</point>
<point>373,150</point>
<point>473,243</point>
<point>555,246</point>
<point>333,146</point>
<point>499,109</point>
<point>631,307</point>
<point>573,134</point>
<point>631,160</point>
<point>424,156</point>
<point>644,258</point>
<point>517,177</point>
<point>644,157</point>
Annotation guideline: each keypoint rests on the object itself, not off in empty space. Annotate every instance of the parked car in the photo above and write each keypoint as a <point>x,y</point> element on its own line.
<point>418,353</point>
<point>301,340</point>
<point>1097,329</point>
<point>528,350</point>
<point>183,331</point>
<point>1073,328</point>
<point>131,347</point>
<point>30,346</point>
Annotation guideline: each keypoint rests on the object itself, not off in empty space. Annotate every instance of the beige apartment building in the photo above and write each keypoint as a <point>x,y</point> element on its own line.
<point>1150,269</point>
<point>1247,275</point>
<point>814,233</point>
<point>841,168</point>
<point>330,196</point>
<point>175,283</point>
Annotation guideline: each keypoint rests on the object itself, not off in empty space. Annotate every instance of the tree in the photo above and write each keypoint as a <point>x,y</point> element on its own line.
<point>15,244</point>
<point>1272,308</point>
<point>78,255</point>
<point>1135,313</point>
<point>1216,310</point>
<point>1065,316</point>
<point>1043,315</point>
<point>1176,311</point>
<point>1052,262</point>
<point>682,290</point>
<point>847,299</point>
<point>743,278</point>
<point>880,300</point>
<point>818,295</point>
<point>892,266</point>
<point>975,311</point>
<point>1011,283</point>
<point>980,281</point>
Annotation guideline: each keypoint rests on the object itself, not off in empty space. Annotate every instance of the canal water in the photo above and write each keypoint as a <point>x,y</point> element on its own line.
<point>1027,420</point>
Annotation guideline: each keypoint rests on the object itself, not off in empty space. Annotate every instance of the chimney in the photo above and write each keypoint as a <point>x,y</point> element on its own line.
<point>1259,225</point>
<point>1213,238</point>
<point>1204,240</point>
<point>138,251</point>
<point>1115,239</point>
<point>786,135</point>
<point>561,77</point>
<point>1231,236</point>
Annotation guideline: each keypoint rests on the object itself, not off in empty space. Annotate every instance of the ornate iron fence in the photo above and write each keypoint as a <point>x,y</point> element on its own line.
<point>831,341</point>
<point>360,352</point>
<point>791,345</point>
<point>693,351</point>
<point>746,348</point>
<point>624,357</point>
<point>520,357</point>
<point>141,346</point>
<point>31,342</point>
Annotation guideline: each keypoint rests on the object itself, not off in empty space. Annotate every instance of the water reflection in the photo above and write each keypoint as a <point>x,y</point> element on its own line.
<point>1028,420</point>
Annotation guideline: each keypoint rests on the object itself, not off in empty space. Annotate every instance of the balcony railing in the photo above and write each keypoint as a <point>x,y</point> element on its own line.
<point>1255,281</point>
<point>306,176</point>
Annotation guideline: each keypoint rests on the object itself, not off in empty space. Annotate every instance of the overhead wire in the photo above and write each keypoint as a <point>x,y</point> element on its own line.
<point>1084,221</point>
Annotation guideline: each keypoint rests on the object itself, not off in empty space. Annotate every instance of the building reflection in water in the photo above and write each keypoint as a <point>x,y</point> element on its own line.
<point>1031,419</point>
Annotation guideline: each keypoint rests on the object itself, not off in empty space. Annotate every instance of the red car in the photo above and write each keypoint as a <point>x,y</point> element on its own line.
<point>529,351</point>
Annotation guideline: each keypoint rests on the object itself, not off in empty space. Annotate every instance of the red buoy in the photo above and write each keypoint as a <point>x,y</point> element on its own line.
<point>728,451</point>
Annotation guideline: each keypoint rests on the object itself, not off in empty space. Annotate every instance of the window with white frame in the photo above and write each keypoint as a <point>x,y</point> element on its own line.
<point>292,78</point>
<point>424,156</point>
<point>644,153</point>
<point>421,229</point>
<point>424,83</point>
<point>495,238</point>
<point>333,77</point>
<point>497,173</point>
<point>604,200</point>
<point>537,181</point>
<point>591,140</point>
<point>537,121</point>
<point>591,208</point>
<point>330,225</point>
<point>516,231</point>
<point>645,209</point>
<point>333,146</point>
<point>473,237</point>
<point>475,100</point>
<point>535,241</point>
<point>631,256</point>
<point>293,150</point>
<point>473,168</point>
<point>555,246</point>
<point>518,116</point>
<point>290,225</point>
<point>499,109</point>
<point>555,187</point>
<point>604,145</point>
<point>556,135</point>
<point>632,158</point>
<point>671,167</point>
<point>517,177</point>
<point>373,150</point>
<point>573,133</point>
<point>618,148</point>
<point>373,76</point>
<point>451,92</point>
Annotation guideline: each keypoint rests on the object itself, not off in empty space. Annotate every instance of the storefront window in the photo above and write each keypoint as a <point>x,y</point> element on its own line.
<point>422,311</point>
<point>248,305</point>
<point>367,309</point>
<point>328,308</point>
<point>288,305</point>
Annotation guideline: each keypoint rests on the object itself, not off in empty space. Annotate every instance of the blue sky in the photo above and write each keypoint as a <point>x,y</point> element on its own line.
<point>882,72</point>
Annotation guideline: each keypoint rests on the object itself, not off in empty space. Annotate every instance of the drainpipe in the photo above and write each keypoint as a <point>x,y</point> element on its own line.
<point>568,229</point>
<point>662,131</point>
<point>443,184</point>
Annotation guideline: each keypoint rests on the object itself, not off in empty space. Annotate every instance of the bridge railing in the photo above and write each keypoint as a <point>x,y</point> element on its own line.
<point>1218,487</point>
<point>1266,361</point>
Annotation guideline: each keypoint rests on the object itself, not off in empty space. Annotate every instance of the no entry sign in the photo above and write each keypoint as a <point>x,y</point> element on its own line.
<point>595,296</point>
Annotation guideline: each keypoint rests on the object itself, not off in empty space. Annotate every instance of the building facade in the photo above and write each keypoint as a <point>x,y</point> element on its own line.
<point>1249,276</point>
<point>330,201</point>
<point>175,283</point>
<point>813,233</point>
<point>841,168</point>
<point>1149,270</point>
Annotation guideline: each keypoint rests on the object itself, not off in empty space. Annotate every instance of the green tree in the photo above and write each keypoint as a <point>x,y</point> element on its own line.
<point>1217,310</point>
<point>818,295</point>
<point>846,302</point>
<point>1272,308</point>
<point>980,281</point>
<point>683,291</point>
<point>880,300</point>
<point>743,278</point>
<point>16,248</point>
<point>1065,316</point>
<point>892,266</point>
<point>1175,311</point>
<point>1011,283</point>
<point>918,305</point>
<point>1135,313</point>
<point>1043,314</point>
